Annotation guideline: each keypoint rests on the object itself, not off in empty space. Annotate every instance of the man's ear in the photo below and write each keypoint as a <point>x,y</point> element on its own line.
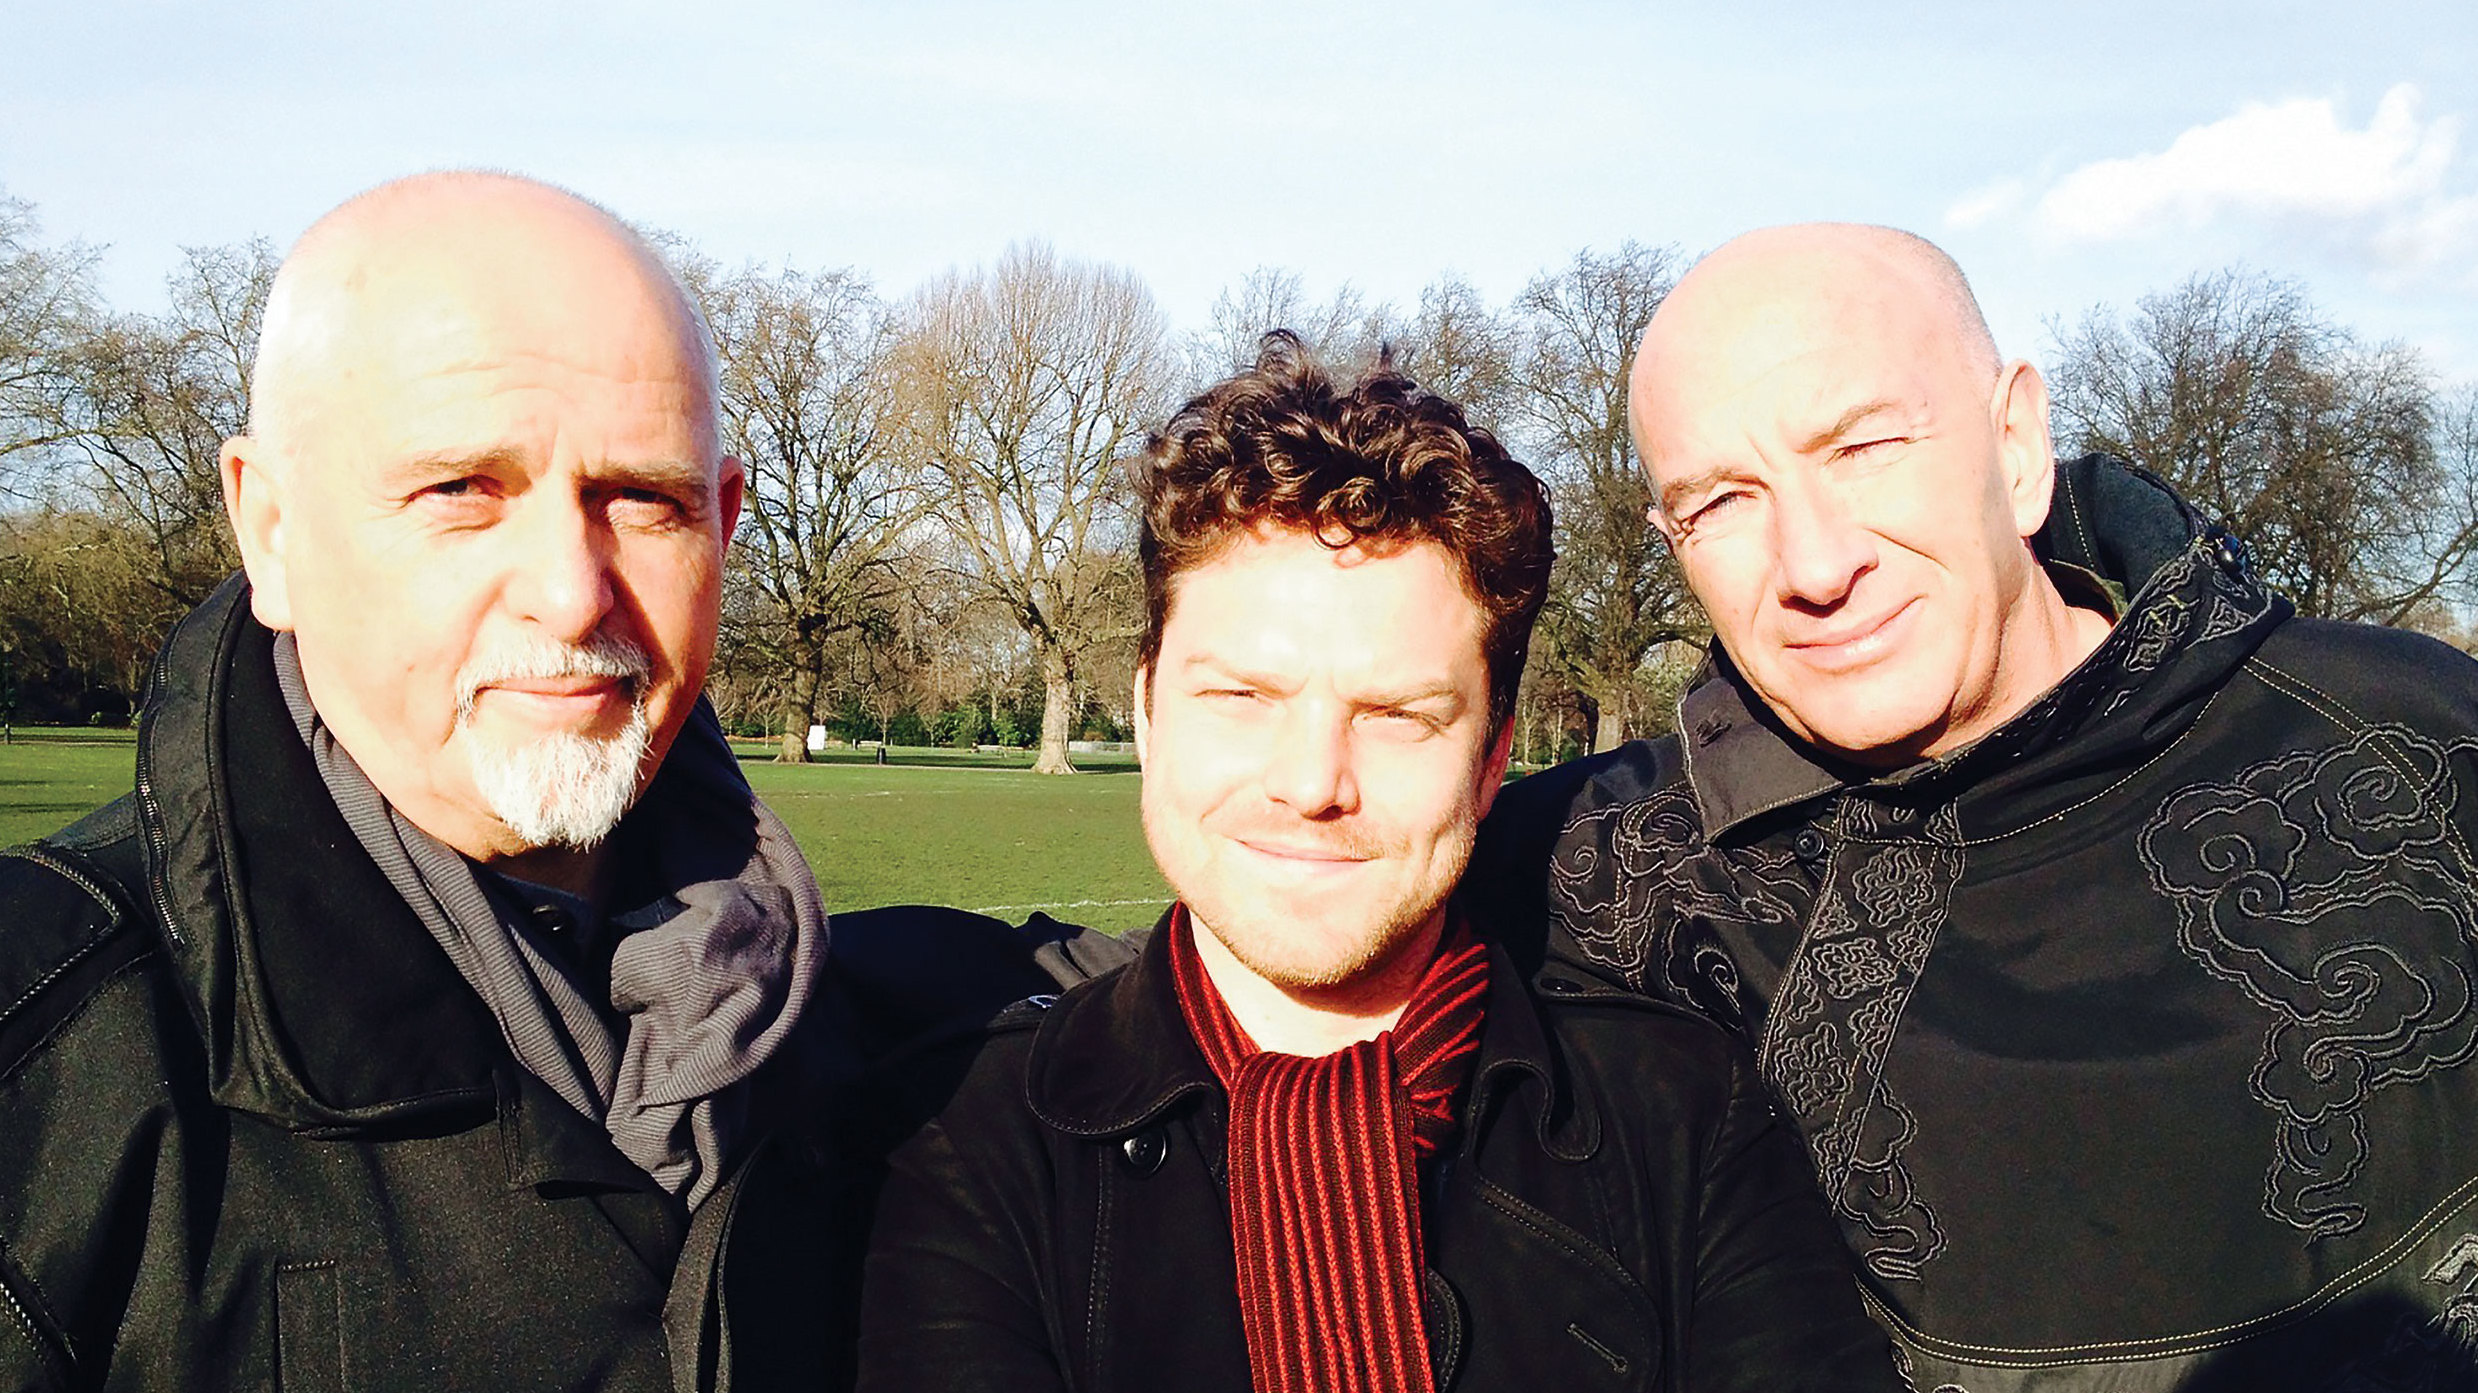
<point>731,490</point>
<point>1662,523</point>
<point>2025,455</point>
<point>1142,705</point>
<point>1493,769</point>
<point>255,503</point>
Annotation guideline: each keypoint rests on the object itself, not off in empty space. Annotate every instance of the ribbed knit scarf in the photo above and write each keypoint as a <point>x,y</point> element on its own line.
<point>1324,1175</point>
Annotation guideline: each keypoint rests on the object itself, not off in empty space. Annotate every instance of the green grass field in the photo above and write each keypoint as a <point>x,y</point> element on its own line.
<point>955,830</point>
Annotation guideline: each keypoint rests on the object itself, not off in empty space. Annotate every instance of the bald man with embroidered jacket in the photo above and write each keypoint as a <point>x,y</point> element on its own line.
<point>2106,927</point>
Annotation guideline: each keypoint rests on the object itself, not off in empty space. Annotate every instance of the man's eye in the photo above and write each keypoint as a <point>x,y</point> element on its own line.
<point>1718,506</point>
<point>1398,718</point>
<point>647,506</point>
<point>457,497</point>
<point>1862,448</point>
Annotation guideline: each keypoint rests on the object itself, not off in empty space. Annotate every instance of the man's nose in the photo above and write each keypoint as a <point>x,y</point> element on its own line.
<point>561,573</point>
<point>1820,549</point>
<point>1308,769</point>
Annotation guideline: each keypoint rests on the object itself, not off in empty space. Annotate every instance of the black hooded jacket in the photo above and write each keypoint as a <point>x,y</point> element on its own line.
<point>2133,1042</point>
<point>255,1131</point>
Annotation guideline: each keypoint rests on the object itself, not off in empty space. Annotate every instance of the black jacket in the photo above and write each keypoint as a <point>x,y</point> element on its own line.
<point>1622,1210</point>
<point>2133,1043</point>
<point>255,1131</point>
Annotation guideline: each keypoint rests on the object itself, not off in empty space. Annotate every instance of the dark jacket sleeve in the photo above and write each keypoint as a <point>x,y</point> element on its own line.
<point>949,1299</point>
<point>90,1136</point>
<point>1777,1305</point>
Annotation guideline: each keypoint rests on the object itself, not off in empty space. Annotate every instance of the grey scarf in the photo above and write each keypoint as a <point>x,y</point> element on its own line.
<point>710,978</point>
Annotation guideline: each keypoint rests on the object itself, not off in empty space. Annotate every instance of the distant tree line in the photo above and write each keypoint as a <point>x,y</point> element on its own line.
<point>936,546</point>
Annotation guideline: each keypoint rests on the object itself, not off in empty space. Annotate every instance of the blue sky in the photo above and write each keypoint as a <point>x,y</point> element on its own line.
<point>2067,155</point>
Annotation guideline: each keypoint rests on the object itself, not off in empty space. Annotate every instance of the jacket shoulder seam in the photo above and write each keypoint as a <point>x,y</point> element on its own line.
<point>116,923</point>
<point>2305,693</point>
<point>2331,708</point>
<point>12,1065</point>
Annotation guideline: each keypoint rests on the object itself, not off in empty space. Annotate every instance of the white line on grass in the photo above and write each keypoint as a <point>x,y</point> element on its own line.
<point>1062,904</point>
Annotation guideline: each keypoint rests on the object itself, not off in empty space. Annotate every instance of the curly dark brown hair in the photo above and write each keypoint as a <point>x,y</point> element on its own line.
<point>1384,461</point>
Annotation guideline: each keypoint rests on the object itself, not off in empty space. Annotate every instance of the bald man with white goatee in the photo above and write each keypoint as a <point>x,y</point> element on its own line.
<point>424,1015</point>
<point>2110,932</point>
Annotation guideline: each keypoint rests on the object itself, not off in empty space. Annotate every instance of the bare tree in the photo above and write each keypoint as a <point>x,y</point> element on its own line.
<point>1027,382</point>
<point>2446,535</point>
<point>808,405</point>
<point>78,623</point>
<point>1457,347</point>
<point>150,400</point>
<point>2325,454</point>
<point>46,303</point>
<point>1344,331</point>
<point>1616,597</point>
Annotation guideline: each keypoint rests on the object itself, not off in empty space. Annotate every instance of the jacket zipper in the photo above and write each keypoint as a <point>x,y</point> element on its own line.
<point>150,817</point>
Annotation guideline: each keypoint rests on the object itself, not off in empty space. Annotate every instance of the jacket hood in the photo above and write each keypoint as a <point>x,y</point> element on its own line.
<point>2196,613</point>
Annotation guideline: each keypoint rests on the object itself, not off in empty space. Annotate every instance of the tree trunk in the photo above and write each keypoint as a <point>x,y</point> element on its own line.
<point>1058,685</point>
<point>795,738</point>
<point>799,710</point>
<point>1608,726</point>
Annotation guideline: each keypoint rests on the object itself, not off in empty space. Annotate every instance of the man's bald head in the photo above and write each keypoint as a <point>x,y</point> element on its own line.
<point>1849,476</point>
<point>367,275</point>
<point>1845,283</point>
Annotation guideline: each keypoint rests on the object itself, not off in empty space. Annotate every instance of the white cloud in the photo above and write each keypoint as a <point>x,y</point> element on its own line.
<point>2382,196</point>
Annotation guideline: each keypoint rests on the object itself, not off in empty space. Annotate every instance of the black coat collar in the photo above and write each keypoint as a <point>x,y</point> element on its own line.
<point>323,1001</point>
<point>1114,1054</point>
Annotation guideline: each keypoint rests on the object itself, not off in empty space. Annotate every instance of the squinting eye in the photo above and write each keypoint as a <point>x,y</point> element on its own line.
<point>1719,505</point>
<point>648,505</point>
<point>1400,719</point>
<point>455,501</point>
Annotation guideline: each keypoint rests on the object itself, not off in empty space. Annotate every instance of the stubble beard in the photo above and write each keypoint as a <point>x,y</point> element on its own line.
<point>1258,947</point>
<point>566,788</point>
<point>1267,943</point>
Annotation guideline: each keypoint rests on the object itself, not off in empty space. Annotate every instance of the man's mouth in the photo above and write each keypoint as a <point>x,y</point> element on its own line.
<point>1850,646</point>
<point>561,686</point>
<point>561,701</point>
<point>1305,856</point>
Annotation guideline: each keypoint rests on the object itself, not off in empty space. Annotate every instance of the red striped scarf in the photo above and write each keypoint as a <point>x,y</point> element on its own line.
<point>1324,1175</point>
